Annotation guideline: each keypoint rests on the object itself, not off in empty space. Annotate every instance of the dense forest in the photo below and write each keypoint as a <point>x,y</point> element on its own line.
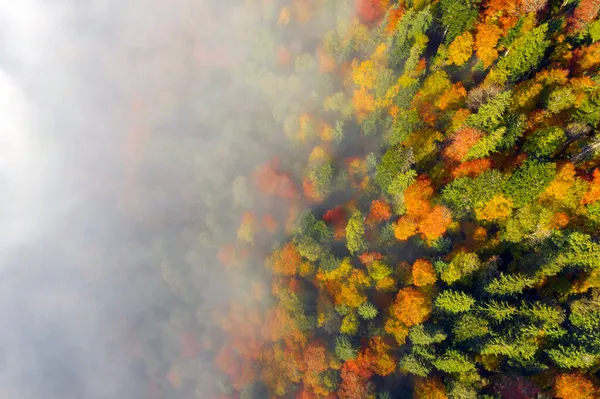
<point>424,223</point>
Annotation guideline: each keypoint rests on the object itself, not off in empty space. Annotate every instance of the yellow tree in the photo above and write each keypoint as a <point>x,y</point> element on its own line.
<point>486,41</point>
<point>460,50</point>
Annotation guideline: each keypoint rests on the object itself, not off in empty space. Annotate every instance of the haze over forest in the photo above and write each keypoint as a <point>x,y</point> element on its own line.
<point>366,199</point>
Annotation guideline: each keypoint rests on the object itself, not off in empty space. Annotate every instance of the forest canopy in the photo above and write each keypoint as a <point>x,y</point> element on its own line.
<point>436,234</point>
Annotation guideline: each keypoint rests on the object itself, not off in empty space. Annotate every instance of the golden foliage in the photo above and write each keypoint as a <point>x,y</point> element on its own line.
<point>486,41</point>
<point>423,273</point>
<point>460,50</point>
<point>364,75</point>
<point>497,208</point>
<point>286,261</point>
<point>397,329</point>
<point>593,193</point>
<point>364,103</point>
<point>430,388</point>
<point>435,223</point>
<point>411,306</point>
<point>472,168</point>
<point>452,97</point>
<point>575,386</point>
<point>461,143</point>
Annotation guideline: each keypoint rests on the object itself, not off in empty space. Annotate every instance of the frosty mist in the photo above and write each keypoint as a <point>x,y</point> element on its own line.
<point>111,110</point>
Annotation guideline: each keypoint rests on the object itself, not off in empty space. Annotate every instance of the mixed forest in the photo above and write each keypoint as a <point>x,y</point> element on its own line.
<point>424,223</point>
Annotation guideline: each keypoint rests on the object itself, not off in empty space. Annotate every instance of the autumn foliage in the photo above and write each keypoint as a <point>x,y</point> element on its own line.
<point>423,273</point>
<point>421,216</point>
<point>575,386</point>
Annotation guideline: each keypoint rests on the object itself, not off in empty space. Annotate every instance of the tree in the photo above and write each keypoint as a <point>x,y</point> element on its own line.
<point>395,160</point>
<point>584,13</point>
<point>286,261</point>
<point>490,115</point>
<point>460,50</point>
<point>423,273</point>
<point>593,193</point>
<point>367,311</point>
<point>486,41</point>
<point>461,143</point>
<point>575,386</point>
<point>411,306</point>
<point>370,11</point>
<point>472,168</point>
<point>411,364</point>
<point>247,228</point>
<point>572,357</point>
<point>421,335</point>
<point>454,362</point>
<point>525,53</point>
<point>430,388</point>
<point>454,301</point>
<point>452,98</point>
<point>435,224</point>
<point>509,285</point>
<point>458,16</point>
<point>383,362</point>
<point>355,231</point>
<point>498,208</point>
<point>486,145</point>
<point>529,181</point>
<point>545,142</point>
<point>344,349</point>
<point>470,326</point>
<point>380,212</point>
<point>462,265</point>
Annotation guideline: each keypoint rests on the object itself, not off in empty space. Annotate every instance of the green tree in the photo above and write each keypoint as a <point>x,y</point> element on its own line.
<point>355,232</point>
<point>367,311</point>
<point>470,326</point>
<point>490,115</point>
<point>309,248</point>
<point>411,364</point>
<point>396,160</point>
<point>454,362</point>
<point>486,145</point>
<point>344,349</point>
<point>410,27</point>
<point>560,100</point>
<point>529,181</point>
<point>322,178</point>
<point>462,265</point>
<point>545,142</point>
<point>499,310</point>
<point>458,16</point>
<point>426,335</point>
<point>509,284</point>
<point>529,223</point>
<point>462,195</point>
<point>454,301</point>
<point>525,54</point>
<point>585,314</point>
<point>572,357</point>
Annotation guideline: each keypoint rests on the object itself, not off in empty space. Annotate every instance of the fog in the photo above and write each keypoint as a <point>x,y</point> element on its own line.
<point>98,101</point>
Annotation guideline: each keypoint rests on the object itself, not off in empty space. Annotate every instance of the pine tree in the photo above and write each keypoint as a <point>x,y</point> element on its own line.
<point>454,301</point>
<point>454,362</point>
<point>422,335</point>
<point>509,285</point>
<point>499,310</point>
<point>572,357</point>
<point>355,231</point>
<point>367,311</point>
<point>344,349</point>
<point>525,54</point>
